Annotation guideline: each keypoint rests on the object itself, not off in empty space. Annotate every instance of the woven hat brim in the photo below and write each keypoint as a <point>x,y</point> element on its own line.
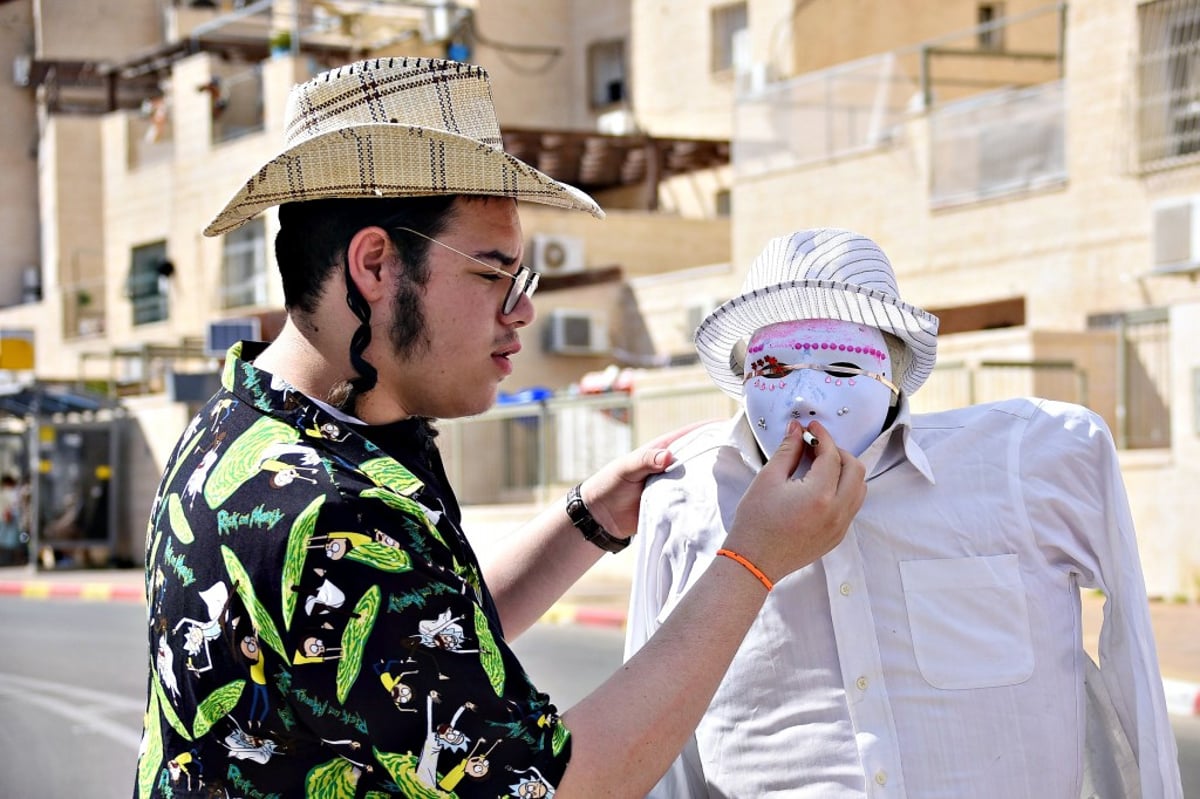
<point>393,160</point>
<point>739,318</point>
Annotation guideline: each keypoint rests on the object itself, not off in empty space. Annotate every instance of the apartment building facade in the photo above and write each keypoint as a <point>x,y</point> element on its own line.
<point>1029,167</point>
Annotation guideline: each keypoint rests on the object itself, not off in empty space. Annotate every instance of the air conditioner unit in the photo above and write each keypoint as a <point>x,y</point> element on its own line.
<point>1176,236</point>
<point>557,254</point>
<point>576,333</point>
<point>619,122</point>
<point>219,336</point>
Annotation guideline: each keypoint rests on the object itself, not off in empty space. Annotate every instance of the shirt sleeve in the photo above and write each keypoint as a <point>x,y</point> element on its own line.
<point>649,600</point>
<point>1077,502</point>
<point>394,666</point>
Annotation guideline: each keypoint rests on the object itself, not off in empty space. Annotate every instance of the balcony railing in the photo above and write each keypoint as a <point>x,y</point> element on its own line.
<point>993,94</point>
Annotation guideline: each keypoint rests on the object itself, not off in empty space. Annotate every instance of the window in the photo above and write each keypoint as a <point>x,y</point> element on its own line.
<point>149,271</point>
<point>606,73</point>
<point>990,38</point>
<point>724,202</point>
<point>244,268</point>
<point>1169,79</point>
<point>729,42</point>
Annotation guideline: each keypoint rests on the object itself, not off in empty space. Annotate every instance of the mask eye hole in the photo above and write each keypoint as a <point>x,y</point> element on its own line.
<point>850,371</point>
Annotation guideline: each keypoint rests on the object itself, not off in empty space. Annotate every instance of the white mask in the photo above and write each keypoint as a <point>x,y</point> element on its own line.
<point>852,407</point>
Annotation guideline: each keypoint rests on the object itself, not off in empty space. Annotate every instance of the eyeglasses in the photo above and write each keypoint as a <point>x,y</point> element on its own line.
<point>773,370</point>
<point>524,280</point>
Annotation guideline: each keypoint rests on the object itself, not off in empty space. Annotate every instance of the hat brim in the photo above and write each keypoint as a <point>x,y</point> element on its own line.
<point>738,319</point>
<point>393,160</point>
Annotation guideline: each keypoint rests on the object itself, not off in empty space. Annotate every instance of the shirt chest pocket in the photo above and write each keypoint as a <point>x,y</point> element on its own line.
<point>969,621</point>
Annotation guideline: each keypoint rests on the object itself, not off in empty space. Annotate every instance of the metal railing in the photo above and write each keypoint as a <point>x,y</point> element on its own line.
<point>994,95</point>
<point>1168,99</point>
<point>526,452</point>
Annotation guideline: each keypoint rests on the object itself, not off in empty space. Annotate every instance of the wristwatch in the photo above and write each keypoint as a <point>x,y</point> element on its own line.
<point>583,520</point>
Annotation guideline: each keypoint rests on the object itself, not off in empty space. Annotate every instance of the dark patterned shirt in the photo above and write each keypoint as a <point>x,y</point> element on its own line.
<point>318,623</point>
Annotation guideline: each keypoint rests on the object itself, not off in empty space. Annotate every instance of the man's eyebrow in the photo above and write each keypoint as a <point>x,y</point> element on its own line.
<point>504,259</point>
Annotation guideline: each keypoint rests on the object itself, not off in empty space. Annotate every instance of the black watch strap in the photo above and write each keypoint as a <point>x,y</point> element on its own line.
<point>582,518</point>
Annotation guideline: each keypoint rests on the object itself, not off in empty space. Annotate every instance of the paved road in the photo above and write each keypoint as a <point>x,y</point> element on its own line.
<point>72,687</point>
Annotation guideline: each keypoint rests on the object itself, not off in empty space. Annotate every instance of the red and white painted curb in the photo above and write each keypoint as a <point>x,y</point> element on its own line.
<point>91,592</point>
<point>1183,698</point>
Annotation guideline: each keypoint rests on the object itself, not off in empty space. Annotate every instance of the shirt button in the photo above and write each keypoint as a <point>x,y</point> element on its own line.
<point>845,589</point>
<point>881,777</point>
<point>862,683</point>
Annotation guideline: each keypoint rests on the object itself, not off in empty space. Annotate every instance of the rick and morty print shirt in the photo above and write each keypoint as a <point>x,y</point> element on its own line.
<point>318,625</point>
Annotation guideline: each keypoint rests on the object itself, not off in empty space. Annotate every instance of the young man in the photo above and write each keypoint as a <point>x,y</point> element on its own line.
<point>318,621</point>
<point>936,651</point>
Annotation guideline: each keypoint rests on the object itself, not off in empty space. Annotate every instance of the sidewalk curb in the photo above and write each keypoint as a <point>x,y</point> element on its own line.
<point>87,592</point>
<point>572,613</point>
<point>1183,698</point>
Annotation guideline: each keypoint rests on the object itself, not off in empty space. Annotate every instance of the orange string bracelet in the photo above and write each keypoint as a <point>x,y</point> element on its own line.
<point>757,572</point>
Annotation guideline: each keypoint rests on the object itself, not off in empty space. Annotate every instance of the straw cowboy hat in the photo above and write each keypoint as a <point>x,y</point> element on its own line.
<point>818,274</point>
<point>393,127</point>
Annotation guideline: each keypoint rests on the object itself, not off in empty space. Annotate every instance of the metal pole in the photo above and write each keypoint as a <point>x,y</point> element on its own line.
<point>35,479</point>
<point>1122,410</point>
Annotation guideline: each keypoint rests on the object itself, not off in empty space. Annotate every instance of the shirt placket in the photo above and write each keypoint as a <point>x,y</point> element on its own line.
<point>862,670</point>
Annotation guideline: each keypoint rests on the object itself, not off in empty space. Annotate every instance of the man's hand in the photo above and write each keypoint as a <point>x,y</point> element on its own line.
<point>783,524</point>
<point>614,493</point>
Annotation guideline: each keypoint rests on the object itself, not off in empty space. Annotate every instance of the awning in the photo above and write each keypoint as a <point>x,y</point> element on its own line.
<point>45,400</point>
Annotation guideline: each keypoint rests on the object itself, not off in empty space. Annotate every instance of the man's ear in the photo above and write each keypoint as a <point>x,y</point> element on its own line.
<point>368,257</point>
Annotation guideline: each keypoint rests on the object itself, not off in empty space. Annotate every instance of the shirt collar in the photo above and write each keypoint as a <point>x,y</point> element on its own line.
<point>893,446</point>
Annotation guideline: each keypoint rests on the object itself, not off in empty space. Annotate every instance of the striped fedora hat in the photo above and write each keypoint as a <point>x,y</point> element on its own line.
<point>825,273</point>
<point>393,127</point>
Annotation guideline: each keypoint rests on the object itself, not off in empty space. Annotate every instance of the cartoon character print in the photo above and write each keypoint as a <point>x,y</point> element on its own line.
<point>474,766</point>
<point>220,411</point>
<point>260,703</point>
<point>181,767</point>
<point>244,746</point>
<point>443,633</point>
<point>400,692</point>
<point>314,650</point>
<point>326,599</point>
<point>379,551</point>
<point>283,473</point>
<point>533,787</point>
<point>445,737</point>
<point>200,633</point>
<point>164,664</point>
<point>195,483</point>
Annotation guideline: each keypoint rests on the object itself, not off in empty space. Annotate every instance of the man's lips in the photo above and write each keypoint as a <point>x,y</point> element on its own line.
<point>501,357</point>
<point>508,350</point>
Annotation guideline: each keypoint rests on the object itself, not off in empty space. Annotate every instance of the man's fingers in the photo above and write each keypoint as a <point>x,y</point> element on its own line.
<point>787,456</point>
<point>827,458</point>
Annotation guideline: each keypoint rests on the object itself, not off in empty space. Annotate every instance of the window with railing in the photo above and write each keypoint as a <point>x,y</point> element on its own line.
<point>1168,81</point>
<point>606,73</point>
<point>729,42</point>
<point>235,101</point>
<point>149,271</point>
<point>997,144</point>
<point>244,266</point>
<point>989,35</point>
<point>993,94</point>
<point>1145,368</point>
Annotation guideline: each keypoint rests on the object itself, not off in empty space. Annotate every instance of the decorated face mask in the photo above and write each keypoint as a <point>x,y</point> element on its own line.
<point>837,373</point>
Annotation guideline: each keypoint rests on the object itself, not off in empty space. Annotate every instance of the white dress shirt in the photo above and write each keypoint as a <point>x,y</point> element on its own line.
<point>937,651</point>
